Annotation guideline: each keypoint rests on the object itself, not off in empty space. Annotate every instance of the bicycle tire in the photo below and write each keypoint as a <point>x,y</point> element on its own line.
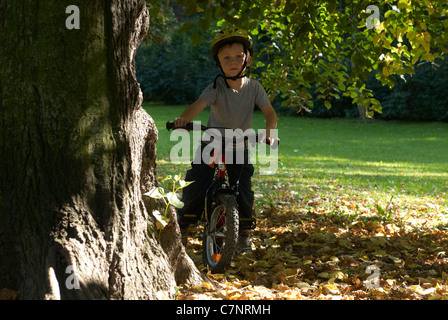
<point>220,238</point>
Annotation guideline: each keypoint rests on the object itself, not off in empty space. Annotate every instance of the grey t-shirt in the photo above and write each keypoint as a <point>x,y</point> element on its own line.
<point>234,109</point>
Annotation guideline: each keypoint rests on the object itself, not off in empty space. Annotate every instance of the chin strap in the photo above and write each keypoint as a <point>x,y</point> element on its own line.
<point>225,79</point>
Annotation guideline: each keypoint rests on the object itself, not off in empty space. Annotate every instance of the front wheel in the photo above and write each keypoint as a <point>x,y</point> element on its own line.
<point>221,234</point>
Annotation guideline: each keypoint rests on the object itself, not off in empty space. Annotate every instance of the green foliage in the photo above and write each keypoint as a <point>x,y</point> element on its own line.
<point>162,23</point>
<point>170,198</point>
<point>327,43</point>
<point>176,71</point>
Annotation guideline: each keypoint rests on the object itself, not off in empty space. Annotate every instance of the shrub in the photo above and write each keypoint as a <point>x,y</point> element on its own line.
<point>175,72</point>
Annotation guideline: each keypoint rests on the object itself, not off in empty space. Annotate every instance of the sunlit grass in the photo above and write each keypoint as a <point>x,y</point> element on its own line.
<point>385,164</point>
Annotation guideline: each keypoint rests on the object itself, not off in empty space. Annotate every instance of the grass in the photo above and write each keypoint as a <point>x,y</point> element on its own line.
<point>319,156</point>
<point>346,195</point>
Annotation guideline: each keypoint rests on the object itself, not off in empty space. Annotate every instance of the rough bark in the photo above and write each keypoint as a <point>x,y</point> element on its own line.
<point>77,152</point>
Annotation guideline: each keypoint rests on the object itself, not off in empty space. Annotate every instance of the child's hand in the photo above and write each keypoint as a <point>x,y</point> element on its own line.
<point>273,142</point>
<point>180,122</point>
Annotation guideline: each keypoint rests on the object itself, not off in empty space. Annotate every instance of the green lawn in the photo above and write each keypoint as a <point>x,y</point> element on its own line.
<point>330,157</point>
<point>347,195</point>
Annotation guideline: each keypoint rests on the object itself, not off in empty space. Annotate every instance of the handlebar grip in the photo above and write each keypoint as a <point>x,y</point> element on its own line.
<point>276,143</point>
<point>169,125</point>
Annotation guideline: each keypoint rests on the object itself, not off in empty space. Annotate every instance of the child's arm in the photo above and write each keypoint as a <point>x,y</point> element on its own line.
<point>190,113</point>
<point>271,120</point>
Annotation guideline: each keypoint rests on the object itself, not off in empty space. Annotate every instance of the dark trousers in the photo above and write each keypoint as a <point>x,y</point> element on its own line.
<point>193,196</point>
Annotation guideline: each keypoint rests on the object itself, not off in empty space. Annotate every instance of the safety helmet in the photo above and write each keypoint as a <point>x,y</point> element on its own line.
<point>230,35</point>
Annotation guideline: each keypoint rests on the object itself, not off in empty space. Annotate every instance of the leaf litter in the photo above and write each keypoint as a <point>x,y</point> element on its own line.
<point>319,246</point>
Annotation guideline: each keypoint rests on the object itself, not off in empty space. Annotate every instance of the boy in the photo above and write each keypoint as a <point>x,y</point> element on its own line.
<point>231,97</point>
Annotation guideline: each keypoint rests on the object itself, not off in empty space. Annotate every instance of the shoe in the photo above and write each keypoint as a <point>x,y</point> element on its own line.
<point>244,244</point>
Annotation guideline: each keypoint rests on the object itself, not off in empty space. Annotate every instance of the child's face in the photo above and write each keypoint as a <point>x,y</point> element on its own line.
<point>231,56</point>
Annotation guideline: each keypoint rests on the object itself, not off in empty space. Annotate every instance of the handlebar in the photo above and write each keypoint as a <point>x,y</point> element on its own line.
<point>189,126</point>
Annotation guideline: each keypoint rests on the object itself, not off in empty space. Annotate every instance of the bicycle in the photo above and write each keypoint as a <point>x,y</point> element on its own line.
<point>220,212</point>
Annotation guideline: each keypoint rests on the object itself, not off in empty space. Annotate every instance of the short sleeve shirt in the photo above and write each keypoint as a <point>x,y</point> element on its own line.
<point>231,108</point>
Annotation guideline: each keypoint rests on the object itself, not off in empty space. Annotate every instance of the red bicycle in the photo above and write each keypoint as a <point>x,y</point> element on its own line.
<point>220,213</point>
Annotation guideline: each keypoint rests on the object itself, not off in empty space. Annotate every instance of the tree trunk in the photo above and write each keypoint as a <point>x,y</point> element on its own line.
<point>77,152</point>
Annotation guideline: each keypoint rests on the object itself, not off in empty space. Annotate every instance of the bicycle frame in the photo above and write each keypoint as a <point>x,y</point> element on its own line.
<point>220,183</point>
<point>219,160</point>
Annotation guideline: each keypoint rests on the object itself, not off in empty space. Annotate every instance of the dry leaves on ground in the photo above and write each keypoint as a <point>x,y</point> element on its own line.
<point>335,249</point>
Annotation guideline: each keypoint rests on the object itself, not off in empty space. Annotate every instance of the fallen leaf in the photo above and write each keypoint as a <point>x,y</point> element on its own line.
<point>329,288</point>
<point>435,296</point>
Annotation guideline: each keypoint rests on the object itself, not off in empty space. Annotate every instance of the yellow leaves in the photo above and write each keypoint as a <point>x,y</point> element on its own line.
<point>430,6</point>
<point>377,38</point>
<point>333,276</point>
<point>207,285</point>
<point>399,33</point>
<point>418,289</point>
<point>404,43</point>
<point>321,250</point>
<point>405,5</point>
<point>289,293</point>
<point>423,26</point>
<point>426,41</point>
<point>436,296</point>
<point>329,288</point>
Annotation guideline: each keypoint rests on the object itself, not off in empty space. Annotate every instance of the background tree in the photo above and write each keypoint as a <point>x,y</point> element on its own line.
<point>327,44</point>
<point>77,152</point>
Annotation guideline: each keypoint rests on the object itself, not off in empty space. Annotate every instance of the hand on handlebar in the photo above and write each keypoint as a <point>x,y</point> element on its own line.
<point>180,122</point>
<point>272,141</point>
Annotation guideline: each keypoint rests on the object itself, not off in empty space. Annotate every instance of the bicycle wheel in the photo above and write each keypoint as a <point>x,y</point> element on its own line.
<point>221,234</point>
